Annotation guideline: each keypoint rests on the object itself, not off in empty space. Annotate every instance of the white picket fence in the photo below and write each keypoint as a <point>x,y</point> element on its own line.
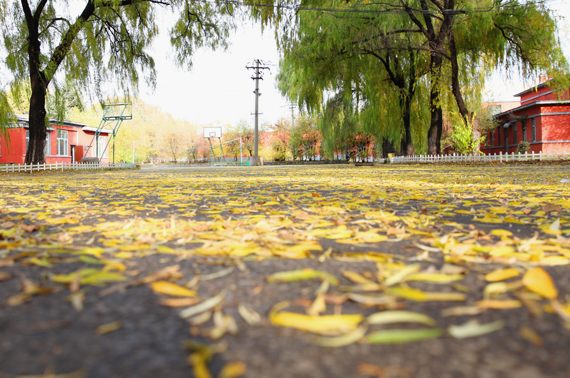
<point>61,166</point>
<point>475,158</point>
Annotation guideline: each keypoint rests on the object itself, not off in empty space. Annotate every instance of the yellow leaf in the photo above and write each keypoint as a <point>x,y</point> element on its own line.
<point>168,288</point>
<point>300,275</point>
<point>132,248</point>
<point>434,277</point>
<point>109,327</point>
<point>531,335</point>
<point>402,274</point>
<point>317,324</point>
<point>502,251</point>
<point>500,232</point>
<point>346,339</point>
<point>199,365</point>
<point>537,280</point>
<point>499,304</point>
<point>388,317</point>
<point>502,274</point>
<point>357,278</point>
<point>123,255</point>
<point>555,260</point>
<point>422,296</point>
<point>318,305</point>
<point>232,370</point>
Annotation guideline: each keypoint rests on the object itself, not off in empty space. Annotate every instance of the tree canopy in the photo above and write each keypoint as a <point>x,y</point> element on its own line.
<point>394,68</point>
<point>91,43</point>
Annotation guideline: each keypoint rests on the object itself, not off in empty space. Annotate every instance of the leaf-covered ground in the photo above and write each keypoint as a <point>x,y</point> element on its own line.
<point>391,271</point>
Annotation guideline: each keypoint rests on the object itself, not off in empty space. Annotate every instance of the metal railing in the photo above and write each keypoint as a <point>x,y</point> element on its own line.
<point>61,166</point>
<point>476,158</point>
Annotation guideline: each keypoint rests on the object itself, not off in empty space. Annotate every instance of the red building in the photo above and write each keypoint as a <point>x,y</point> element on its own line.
<point>542,119</point>
<point>64,143</point>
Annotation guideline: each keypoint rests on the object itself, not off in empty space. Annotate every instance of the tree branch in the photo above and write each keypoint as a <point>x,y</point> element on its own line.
<point>39,10</point>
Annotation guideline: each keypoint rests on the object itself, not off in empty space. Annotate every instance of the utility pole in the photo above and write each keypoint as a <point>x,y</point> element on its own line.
<point>292,116</point>
<point>257,75</point>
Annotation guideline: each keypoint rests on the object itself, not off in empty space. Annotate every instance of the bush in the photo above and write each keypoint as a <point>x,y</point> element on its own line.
<point>360,145</point>
<point>461,139</point>
<point>279,151</point>
<point>523,147</point>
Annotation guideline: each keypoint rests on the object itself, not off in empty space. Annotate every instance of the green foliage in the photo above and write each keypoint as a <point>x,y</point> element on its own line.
<point>360,146</point>
<point>305,138</point>
<point>372,72</point>
<point>107,41</point>
<point>461,138</point>
<point>523,147</point>
<point>279,150</point>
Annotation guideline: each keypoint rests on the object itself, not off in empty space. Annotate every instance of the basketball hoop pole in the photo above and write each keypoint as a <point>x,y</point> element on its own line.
<point>211,149</point>
<point>221,149</point>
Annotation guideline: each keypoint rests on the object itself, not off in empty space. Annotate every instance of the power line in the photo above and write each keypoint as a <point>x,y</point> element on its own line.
<point>374,11</point>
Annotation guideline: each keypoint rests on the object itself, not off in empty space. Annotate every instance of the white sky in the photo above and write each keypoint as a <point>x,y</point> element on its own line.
<point>219,89</point>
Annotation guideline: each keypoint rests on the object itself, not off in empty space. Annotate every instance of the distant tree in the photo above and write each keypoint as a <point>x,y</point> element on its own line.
<point>107,40</point>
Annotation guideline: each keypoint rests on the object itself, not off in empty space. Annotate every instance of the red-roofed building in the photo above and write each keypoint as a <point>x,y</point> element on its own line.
<point>542,119</point>
<point>64,143</point>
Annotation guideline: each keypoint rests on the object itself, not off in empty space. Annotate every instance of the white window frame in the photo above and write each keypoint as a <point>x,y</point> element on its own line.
<point>62,142</point>
<point>102,145</point>
<point>47,149</point>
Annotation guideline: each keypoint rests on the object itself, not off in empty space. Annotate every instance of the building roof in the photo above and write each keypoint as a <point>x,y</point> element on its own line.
<point>26,118</point>
<point>536,103</point>
<point>533,89</point>
<point>102,131</point>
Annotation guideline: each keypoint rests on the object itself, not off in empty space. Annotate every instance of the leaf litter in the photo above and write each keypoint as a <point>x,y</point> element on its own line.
<point>446,227</point>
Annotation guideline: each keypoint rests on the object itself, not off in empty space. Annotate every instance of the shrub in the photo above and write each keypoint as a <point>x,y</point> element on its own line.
<point>279,150</point>
<point>360,145</point>
<point>523,147</point>
<point>461,139</point>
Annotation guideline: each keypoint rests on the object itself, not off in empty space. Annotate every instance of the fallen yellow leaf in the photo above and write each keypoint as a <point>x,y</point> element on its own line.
<point>536,279</point>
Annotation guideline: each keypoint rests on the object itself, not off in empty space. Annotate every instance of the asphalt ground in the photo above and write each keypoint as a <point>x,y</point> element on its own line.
<point>226,230</point>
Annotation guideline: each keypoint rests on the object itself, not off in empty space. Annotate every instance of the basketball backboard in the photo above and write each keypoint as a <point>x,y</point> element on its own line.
<point>212,132</point>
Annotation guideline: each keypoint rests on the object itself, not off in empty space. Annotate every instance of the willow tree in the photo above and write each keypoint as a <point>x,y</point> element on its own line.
<point>94,42</point>
<point>459,36</point>
<point>367,67</point>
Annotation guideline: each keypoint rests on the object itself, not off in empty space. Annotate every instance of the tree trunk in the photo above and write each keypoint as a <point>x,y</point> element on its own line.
<point>455,86</point>
<point>37,113</point>
<point>407,146</point>
<point>436,121</point>
<point>37,128</point>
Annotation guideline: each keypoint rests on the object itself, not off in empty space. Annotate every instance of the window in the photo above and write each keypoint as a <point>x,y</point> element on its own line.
<point>533,128</point>
<point>47,151</point>
<point>524,130</point>
<point>101,146</point>
<point>62,143</point>
<point>499,140</point>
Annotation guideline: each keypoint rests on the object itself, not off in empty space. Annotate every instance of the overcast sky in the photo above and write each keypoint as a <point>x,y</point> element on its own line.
<point>219,89</point>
